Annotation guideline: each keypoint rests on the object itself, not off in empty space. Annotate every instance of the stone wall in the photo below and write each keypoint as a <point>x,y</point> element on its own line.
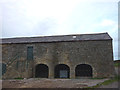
<point>97,54</point>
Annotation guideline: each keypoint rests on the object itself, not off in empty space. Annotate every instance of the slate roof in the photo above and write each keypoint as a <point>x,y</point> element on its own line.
<point>59,38</point>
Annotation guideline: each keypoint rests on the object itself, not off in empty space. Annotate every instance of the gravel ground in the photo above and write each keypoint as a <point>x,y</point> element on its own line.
<point>51,83</point>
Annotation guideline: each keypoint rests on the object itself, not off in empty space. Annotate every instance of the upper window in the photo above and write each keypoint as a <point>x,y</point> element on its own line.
<point>30,53</point>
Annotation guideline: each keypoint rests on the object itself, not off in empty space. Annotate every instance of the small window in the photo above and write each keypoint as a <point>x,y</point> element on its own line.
<point>30,53</point>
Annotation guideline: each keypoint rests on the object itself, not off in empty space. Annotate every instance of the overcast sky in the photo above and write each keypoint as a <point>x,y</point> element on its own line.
<point>26,18</point>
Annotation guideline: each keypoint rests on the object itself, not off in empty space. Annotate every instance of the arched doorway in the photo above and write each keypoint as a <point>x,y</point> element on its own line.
<point>62,71</point>
<point>41,71</point>
<point>83,70</point>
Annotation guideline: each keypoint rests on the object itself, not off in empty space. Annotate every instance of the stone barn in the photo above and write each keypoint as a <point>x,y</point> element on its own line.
<point>63,56</point>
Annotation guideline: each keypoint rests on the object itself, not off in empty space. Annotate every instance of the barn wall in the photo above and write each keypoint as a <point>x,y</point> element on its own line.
<point>97,54</point>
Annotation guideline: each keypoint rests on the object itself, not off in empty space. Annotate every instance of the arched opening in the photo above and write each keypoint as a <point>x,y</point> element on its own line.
<point>62,71</point>
<point>41,71</point>
<point>83,70</point>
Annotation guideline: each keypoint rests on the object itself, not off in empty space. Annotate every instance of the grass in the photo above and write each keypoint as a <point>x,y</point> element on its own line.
<point>19,78</point>
<point>107,82</point>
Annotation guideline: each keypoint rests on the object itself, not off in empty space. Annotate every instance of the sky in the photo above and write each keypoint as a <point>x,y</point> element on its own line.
<point>27,18</point>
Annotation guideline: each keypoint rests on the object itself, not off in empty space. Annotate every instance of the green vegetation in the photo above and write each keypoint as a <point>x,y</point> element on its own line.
<point>107,82</point>
<point>98,78</point>
<point>117,64</point>
<point>19,78</point>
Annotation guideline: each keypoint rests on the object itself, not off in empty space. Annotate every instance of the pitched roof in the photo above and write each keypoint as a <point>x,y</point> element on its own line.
<point>59,38</point>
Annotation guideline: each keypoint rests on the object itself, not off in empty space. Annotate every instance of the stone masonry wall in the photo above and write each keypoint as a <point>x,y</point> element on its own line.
<point>98,54</point>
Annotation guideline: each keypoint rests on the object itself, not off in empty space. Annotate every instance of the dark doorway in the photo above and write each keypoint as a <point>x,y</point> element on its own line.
<point>61,71</point>
<point>41,71</point>
<point>83,70</point>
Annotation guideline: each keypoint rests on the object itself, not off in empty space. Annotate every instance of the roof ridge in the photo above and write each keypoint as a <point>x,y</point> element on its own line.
<point>56,35</point>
